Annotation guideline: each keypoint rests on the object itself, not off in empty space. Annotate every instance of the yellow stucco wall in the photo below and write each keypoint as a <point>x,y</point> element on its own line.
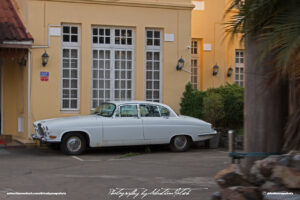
<point>172,17</point>
<point>14,96</point>
<point>208,26</point>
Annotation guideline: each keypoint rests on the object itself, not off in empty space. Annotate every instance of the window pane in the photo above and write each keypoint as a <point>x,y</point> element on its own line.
<point>74,74</point>
<point>66,38</point>
<point>117,32</point>
<point>66,73</point>
<point>101,31</point>
<point>129,33</point>
<point>66,84</point>
<point>149,42</point>
<point>156,56</point>
<point>73,93</point>
<point>149,55</point>
<point>73,103</point>
<point>66,29</point>
<point>149,111</point>
<point>95,39</point>
<point>95,31</point>
<point>74,30</point>
<point>149,34</point>
<point>66,94</point>
<point>65,104</point>
<point>129,111</point>
<point>66,53</point>
<point>74,38</point>
<point>74,53</point>
<point>73,83</point>
<point>164,112</point>
<point>149,84</point>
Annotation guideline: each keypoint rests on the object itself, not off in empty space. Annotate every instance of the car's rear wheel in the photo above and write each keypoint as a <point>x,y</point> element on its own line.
<point>180,143</point>
<point>73,144</point>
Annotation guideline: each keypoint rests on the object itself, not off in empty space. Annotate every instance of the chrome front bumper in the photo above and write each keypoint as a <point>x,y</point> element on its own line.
<point>35,137</point>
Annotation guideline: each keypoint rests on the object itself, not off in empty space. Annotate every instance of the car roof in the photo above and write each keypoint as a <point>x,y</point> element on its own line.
<point>117,103</point>
<point>137,102</point>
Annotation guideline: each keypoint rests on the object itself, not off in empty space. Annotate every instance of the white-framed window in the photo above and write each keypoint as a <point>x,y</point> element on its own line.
<point>113,64</point>
<point>70,67</point>
<point>239,67</point>
<point>153,64</point>
<point>195,63</point>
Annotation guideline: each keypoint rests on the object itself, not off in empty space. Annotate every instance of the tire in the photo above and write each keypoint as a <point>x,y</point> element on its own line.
<point>73,144</point>
<point>180,143</point>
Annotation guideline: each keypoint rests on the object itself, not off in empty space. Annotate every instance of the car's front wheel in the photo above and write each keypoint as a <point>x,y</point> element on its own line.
<point>180,143</point>
<point>73,144</point>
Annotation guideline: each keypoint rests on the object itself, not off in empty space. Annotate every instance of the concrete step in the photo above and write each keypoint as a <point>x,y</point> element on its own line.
<point>11,145</point>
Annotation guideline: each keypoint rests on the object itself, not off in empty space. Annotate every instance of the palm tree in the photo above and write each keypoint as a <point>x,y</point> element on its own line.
<point>271,32</point>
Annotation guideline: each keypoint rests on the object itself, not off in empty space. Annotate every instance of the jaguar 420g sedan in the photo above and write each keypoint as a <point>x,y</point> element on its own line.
<point>123,124</point>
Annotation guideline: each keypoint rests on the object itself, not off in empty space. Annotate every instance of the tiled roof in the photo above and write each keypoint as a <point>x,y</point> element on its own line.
<point>11,26</point>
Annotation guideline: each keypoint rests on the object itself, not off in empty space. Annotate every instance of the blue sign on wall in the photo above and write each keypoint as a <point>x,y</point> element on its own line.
<point>44,76</point>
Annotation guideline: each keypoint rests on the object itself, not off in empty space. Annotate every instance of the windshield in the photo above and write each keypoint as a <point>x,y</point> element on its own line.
<point>105,110</point>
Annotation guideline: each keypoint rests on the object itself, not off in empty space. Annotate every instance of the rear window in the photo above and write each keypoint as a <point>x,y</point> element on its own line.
<point>164,111</point>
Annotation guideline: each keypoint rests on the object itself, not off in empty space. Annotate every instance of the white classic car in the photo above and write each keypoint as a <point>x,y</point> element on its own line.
<point>123,123</point>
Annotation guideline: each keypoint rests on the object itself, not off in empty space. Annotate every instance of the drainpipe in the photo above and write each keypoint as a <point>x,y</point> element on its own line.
<point>29,95</point>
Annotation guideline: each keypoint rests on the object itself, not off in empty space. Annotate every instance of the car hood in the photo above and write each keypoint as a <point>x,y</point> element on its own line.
<point>66,120</point>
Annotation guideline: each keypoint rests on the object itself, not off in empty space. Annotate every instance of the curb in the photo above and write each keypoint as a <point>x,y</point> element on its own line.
<point>4,145</point>
<point>13,147</point>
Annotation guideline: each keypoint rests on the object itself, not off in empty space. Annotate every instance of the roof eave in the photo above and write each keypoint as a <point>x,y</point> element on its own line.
<point>16,44</point>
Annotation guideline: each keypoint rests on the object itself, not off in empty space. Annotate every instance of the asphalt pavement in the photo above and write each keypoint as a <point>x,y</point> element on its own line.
<point>110,173</point>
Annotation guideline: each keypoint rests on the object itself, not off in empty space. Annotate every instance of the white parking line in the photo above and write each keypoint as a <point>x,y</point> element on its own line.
<point>77,158</point>
<point>82,160</point>
<point>112,159</point>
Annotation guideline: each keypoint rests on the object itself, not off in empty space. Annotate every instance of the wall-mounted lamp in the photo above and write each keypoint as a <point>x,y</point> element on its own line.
<point>215,70</point>
<point>22,61</point>
<point>180,64</point>
<point>45,58</point>
<point>229,72</point>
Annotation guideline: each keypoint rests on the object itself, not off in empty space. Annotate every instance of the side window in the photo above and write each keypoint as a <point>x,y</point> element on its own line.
<point>129,111</point>
<point>164,111</point>
<point>149,111</point>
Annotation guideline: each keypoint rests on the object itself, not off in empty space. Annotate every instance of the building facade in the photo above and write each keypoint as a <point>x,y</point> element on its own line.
<point>211,47</point>
<point>97,50</point>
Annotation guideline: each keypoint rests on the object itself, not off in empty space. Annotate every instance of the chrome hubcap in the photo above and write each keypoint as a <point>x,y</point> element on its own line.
<point>180,142</point>
<point>74,144</point>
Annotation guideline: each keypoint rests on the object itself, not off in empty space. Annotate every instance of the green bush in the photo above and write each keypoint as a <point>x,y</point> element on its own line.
<point>213,108</point>
<point>233,96</point>
<point>192,104</point>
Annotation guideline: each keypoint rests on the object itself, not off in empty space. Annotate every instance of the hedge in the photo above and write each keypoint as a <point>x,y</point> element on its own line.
<point>222,106</point>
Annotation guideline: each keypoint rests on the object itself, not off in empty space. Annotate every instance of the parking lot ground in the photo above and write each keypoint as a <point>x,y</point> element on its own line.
<point>110,173</point>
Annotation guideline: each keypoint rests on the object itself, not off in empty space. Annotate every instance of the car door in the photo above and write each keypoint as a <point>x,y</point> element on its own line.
<point>124,128</point>
<point>156,127</point>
